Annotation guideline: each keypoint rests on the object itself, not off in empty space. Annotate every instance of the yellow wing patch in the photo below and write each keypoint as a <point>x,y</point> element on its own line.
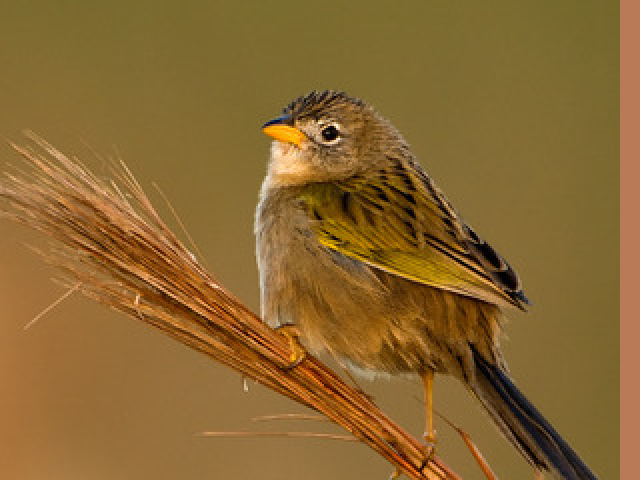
<point>394,223</point>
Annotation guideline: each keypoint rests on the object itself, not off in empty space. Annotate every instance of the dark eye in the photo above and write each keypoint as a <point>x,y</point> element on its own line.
<point>330,133</point>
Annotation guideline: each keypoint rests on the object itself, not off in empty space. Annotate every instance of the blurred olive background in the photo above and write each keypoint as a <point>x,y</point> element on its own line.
<point>511,106</point>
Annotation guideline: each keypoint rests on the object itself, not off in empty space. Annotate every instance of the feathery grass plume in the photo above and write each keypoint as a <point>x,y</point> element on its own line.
<point>112,244</point>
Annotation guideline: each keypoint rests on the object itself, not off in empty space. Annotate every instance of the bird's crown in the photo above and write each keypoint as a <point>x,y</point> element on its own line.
<point>319,102</point>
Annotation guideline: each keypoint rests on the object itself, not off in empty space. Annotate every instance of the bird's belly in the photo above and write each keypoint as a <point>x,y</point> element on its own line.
<point>362,317</point>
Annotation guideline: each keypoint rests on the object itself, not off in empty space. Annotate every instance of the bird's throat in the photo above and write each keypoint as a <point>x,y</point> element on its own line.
<point>289,165</point>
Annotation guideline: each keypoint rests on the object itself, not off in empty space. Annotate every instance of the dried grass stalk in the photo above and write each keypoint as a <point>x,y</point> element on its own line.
<point>110,241</point>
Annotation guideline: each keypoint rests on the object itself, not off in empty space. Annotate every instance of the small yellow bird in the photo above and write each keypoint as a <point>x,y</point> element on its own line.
<point>359,249</point>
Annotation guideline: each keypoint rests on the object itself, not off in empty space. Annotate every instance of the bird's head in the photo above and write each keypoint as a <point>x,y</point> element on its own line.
<point>328,136</point>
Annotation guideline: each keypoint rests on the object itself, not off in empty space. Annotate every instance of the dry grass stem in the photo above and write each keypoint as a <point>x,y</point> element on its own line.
<point>475,451</point>
<point>51,306</point>
<point>289,416</point>
<point>110,241</point>
<point>327,436</point>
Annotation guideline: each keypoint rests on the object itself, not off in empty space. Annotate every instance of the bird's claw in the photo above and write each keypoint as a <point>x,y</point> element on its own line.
<point>430,453</point>
<point>430,441</point>
<point>292,334</point>
<point>429,448</point>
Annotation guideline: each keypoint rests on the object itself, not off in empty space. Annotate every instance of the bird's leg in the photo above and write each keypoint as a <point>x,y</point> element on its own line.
<point>430,433</point>
<point>292,333</point>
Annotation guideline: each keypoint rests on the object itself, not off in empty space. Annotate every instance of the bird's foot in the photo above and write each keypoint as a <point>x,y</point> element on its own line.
<point>429,454</point>
<point>292,334</point>
<point>430,441</point>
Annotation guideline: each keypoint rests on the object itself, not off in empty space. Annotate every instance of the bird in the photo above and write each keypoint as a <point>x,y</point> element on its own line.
<point>363,255</point>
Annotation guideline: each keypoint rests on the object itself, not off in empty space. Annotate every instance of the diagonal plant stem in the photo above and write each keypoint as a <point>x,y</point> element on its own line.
<point>108,239</point>
<point>329,436</point>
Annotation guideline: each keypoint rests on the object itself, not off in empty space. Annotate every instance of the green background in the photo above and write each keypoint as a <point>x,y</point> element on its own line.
<point>512,107</point>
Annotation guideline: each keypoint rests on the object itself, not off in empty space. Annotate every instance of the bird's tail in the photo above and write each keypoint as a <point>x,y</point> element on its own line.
<point>523,425</point>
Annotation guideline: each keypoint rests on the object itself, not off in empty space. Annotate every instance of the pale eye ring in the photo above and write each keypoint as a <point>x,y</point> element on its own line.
<point>330,133</point>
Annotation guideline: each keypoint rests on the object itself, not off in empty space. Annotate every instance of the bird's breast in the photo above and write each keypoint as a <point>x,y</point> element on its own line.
<point>341,304</point>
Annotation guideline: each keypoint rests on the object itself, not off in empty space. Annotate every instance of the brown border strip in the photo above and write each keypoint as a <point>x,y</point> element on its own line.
<point>629,234</point>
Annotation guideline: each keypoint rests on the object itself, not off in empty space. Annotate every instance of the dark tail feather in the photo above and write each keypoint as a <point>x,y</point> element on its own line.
<point>524,426</point>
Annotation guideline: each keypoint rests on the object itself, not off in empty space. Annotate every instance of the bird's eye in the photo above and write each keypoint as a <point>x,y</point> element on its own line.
<point>330,133</point>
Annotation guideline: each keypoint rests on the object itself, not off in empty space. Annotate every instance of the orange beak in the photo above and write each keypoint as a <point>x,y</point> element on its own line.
<point>278,129</point>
